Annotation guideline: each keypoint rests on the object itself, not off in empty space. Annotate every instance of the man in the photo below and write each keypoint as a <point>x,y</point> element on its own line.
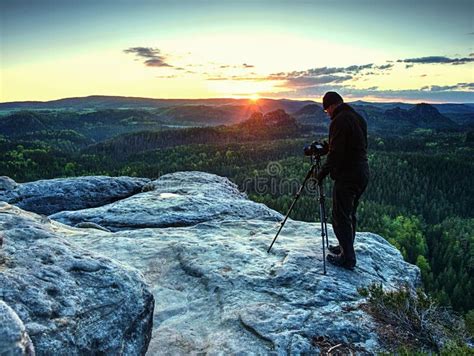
<point>347,165</point>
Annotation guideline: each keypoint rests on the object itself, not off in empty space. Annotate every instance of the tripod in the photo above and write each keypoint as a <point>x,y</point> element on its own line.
<point>313,171</point>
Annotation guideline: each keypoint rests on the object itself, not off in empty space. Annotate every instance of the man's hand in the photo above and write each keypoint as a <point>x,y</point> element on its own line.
<point>324,171</point>
<point>325,147</point>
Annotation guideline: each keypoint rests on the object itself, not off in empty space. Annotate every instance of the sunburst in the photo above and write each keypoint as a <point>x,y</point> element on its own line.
<point>254,97</point>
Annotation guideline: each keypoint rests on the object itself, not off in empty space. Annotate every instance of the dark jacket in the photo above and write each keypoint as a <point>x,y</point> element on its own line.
<point>347,144</point>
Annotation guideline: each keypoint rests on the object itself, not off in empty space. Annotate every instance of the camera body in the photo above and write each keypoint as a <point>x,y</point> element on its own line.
<point>316,148</point>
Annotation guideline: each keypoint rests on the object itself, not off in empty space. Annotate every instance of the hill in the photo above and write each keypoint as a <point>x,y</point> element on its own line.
<point>390,121</point>
<point>312,114</point>
<point>396,121</point>
<point>95,125</point>
<point>258,127</point>
<point>101,102</point>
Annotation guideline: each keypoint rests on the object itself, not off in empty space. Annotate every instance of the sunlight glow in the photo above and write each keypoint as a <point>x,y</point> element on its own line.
<point>242,88</point>
<point>254,97</point>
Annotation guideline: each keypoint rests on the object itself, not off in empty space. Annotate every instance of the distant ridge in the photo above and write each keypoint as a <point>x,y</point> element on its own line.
<point>107,102</point>
<point>226,111</point>
<point>98,102</point>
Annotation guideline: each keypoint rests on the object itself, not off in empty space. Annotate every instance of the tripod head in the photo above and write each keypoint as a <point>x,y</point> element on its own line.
<point>316,148</point>
<point>315,159</point>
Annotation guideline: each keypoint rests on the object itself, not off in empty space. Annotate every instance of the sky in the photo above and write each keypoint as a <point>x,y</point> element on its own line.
<point>379,50</point>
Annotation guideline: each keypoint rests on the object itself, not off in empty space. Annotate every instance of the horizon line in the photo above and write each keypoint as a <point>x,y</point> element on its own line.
<point>352,100</point>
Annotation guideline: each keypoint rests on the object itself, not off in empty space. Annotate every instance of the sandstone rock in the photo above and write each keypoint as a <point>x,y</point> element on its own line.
<point>216,288</point>
<point>91,225</point>
<point>7,184</point>
<point>14,340</point>
<point>70,300</point>
<point>178,199</point>
<point>54,195</point>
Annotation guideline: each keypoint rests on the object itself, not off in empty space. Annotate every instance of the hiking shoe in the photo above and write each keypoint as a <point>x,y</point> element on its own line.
<point>340,261</point>
<point>335,249</point>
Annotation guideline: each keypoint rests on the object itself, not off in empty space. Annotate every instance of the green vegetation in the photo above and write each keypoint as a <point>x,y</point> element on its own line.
<point>410,321</point>
<point>96,125</point>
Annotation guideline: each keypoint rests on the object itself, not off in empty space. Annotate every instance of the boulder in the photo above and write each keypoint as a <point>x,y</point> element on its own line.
<point>178,199</point>
<point>14,340</point>
<point>7,184</point>
<point>54,195</point>
<point>91,225</point>
<point>71,301</point>
<point>217,290</point>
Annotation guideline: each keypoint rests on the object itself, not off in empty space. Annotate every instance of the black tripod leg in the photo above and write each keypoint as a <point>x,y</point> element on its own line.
<point>326,228</point>
<point>322,216</point>
<point>308,175</point>
<point>325,217</point>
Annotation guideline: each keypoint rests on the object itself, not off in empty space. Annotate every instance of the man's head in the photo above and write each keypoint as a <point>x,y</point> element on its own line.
<point>331,100</point>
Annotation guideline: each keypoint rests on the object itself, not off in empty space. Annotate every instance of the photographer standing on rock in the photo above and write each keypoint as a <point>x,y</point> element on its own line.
<point>347,165</point>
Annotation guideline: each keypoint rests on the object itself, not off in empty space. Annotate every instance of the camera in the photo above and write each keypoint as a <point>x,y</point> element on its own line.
<point>316,149</point>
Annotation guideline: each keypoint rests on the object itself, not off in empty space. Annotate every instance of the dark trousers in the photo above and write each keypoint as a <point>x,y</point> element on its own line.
<point>345,199</point>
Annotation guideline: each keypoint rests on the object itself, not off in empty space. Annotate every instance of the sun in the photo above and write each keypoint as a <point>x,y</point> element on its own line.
<point>254,98</point>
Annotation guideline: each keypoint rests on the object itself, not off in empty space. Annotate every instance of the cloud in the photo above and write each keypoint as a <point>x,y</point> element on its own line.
<point>460,92</point>
<point>146,52</point>
<point>441,87</point>
<point>166,76</point>
<point>152,56</point>
<point>463,87</point>
<point>288,81</point>
<point>312,81</point>
<point>322,71</point>
<point>316,72</point>
<point>437,60</point>
<point>239,66</point>
<point>347,93</point>
<point>309,77</point>
<point>469,86</point>
<point>357,69</point>
<point>320,76</point>
<point>385,66</point>
<point>219,78</point>
<point>324,75</point>
<point>458,86</point>
<point>156,62</point>
<point>236,77</point>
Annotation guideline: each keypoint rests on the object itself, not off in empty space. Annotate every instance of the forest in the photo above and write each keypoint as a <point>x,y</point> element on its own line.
<point>420,196</point>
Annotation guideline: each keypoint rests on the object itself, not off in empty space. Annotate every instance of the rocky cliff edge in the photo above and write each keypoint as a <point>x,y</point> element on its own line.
<point>200,248</point>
